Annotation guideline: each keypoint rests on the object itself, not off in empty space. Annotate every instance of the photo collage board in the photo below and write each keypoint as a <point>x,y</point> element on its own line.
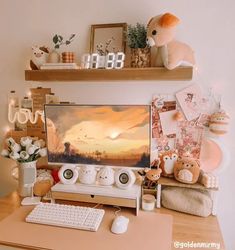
<point>178,122</point>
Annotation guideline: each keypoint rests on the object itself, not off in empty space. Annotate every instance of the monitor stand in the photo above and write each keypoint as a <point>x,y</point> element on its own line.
<point>111,195</point>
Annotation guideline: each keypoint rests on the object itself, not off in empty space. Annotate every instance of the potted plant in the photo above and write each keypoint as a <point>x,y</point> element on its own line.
<point>136,40</point>
<point>67,57</point>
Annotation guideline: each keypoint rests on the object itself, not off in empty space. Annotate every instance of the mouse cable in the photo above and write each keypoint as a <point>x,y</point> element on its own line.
<point>117,211</point>
<point>98,204</point>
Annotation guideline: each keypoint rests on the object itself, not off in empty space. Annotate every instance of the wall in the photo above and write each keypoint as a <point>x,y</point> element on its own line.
<point>208,29</point>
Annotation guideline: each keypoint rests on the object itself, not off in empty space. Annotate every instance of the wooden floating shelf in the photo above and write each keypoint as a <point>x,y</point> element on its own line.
<point>130,74</point>
<point>174,183</point>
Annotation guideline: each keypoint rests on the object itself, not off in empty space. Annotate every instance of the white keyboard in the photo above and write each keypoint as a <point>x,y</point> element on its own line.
<point>84,218</point>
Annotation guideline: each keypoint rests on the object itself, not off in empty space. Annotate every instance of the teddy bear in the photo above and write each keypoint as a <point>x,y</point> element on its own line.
<point>171,53</point>
<point>151,177</point>
<point>187,170</point>
<point>39,57</point>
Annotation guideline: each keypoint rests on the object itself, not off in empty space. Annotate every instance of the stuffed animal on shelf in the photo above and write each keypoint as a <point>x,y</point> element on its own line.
<point>171,53</point>
<point>39,57</point>
<point>151,178</point>
<point>219,123</point>
<point>167,161</point>
<point>187,170</point>
<point>105,176</point>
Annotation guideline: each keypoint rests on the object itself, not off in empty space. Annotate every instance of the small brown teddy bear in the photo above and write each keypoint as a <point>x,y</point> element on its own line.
<point>187,170</point>
<point>151,178</point>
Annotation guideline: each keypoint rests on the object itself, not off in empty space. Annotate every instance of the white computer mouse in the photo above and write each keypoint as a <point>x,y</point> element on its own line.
<point>120,225</point>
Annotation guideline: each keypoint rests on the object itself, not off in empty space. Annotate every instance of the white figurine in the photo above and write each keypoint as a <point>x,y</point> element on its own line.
<point>106,176</point>
<point>87,174</point>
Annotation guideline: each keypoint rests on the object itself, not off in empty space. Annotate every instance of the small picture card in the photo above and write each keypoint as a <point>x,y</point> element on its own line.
<point>160,103</point>
<point>168,123</point>
<point>192,102</point>
<point>189,139</point>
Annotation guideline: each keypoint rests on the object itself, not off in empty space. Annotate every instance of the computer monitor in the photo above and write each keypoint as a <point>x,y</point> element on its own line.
<point>113,135</point>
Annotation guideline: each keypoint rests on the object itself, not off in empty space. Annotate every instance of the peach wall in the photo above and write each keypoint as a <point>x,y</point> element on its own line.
<point>208,26</point>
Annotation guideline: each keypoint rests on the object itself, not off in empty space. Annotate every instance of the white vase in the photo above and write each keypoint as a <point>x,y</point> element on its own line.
<point>54,57</point>
<point>26,178</point>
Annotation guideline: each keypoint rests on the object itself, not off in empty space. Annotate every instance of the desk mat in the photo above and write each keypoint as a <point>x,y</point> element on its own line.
<point>148,230</point>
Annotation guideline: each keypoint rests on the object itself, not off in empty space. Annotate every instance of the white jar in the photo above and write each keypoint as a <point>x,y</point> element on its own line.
<point>148,202</point>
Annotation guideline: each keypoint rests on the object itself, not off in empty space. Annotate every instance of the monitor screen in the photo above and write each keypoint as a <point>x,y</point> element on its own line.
<point>114,135</point>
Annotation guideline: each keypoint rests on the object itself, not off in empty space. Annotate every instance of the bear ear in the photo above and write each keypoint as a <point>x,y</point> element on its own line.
<point>149,22</point>
<point>168,20</point>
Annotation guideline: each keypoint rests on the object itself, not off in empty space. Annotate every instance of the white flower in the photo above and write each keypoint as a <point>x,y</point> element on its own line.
<point>24,155</point>
<point>10,141</point>
<point>31,149</point>
<point>40,143</point>
<point>25,141</point>
<point>15,147</point>
<point>14,156</point>
<point>5,153</point>
<point>43,152</point>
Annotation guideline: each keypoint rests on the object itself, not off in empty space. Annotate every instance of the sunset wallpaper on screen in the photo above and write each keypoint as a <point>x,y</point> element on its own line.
<point>116,135</point>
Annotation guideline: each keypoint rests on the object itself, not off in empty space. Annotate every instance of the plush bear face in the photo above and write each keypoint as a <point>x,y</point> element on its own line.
<point>154,174</point>
<point>186,170</point>
<point>167,162</point>
<point>161,29</point>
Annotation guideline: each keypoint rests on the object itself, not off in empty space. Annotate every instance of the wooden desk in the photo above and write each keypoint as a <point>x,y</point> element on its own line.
<point>186,228</point>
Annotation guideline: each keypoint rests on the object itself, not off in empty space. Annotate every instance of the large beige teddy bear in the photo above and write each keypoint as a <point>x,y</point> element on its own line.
<point>171,53</point>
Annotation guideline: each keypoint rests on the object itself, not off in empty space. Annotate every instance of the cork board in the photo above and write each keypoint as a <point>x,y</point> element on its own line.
<point>149,230</point>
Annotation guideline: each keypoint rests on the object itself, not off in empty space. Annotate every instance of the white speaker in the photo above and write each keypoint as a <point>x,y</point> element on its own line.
<point>124,178</point>
<point>68,174</point>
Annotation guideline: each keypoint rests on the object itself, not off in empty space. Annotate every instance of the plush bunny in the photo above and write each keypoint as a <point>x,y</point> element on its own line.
<point>171,53</point>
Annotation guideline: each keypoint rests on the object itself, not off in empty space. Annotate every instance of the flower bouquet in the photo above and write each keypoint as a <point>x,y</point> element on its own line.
<point>26,153</point>
<point>28,150</point>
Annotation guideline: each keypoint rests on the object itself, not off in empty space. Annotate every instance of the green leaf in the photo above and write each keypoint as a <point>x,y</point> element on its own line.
<point>60,38</point>
<point>67,42</point>
<point>72,36</point>
<point>55,39</point>
<point>57,46</point>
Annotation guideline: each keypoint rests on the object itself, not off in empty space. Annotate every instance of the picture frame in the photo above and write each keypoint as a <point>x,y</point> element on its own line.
<point>108,38</point>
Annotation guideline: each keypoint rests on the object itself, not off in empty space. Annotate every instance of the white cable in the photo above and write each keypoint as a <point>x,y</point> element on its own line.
<point>117,211</point>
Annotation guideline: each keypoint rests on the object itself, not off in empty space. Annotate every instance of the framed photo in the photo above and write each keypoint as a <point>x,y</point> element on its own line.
<point>108,38</point>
